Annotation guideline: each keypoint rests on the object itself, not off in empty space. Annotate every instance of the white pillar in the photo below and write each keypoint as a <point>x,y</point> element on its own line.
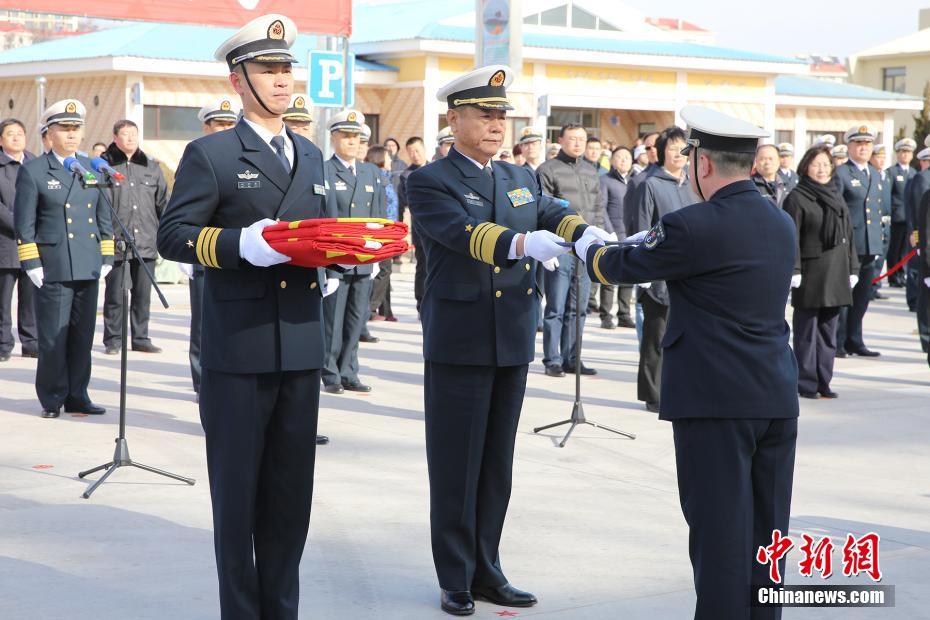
<point>888,130</point>
<point>540,88</point>
<point>681,96</point>
<point>800,132</point>
<point>430,104</point>
<point>135,92</point>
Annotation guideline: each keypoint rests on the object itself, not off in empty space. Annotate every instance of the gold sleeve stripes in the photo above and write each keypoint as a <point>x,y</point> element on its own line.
<point>596,265</point>
<point>566,228</point>
<point>484,240</point>
<point>107,247</point>
<point>206,246</point>
<point>27,251</point>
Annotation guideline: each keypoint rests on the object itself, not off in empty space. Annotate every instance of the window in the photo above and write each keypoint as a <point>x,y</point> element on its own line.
<point>160,122</point>
<point>555,17</point>
<point>893,79</point>
<point>374,122</point>
<point>589,119</point>
<point>782,135</point>
<point>583,19</point>
<point>644,129</point>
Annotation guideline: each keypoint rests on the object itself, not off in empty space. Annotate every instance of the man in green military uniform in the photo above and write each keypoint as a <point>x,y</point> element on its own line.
<point>65,243</point>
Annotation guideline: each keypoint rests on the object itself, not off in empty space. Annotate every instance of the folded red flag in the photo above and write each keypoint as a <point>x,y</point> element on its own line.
<point>338,250</point>
<point>358,227</point>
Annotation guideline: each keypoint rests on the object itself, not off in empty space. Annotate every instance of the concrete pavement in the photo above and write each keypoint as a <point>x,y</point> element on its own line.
<point>594,529</point>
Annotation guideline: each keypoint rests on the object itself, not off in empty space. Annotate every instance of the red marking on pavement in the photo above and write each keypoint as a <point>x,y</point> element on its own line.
<point>506,614</point>
<point>42,466</point>
<point>78,415</point>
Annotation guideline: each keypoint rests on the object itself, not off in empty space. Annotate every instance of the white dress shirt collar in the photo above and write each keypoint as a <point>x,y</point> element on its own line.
<point>267,135</point>
<point>474,161</point>
<point>353,166</point>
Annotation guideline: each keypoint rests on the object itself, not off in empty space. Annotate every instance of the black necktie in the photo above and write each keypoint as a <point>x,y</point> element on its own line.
<point>278,143</point>
<point>488,172</point>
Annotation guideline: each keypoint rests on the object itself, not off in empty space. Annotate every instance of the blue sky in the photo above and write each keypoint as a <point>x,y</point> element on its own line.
<point>794,26</point>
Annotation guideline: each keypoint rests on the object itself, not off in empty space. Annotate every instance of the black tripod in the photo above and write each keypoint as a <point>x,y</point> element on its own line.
<point>121,454</point>
<point>578,407</point>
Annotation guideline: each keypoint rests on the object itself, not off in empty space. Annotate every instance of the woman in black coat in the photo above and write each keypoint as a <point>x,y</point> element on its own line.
<point>825,271</point>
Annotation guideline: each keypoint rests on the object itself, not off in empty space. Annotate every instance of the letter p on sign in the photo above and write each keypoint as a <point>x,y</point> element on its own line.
<point>327,79</point>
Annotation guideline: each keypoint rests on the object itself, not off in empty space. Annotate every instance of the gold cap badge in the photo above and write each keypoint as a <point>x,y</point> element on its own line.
<point>497,79</point>
<point>225,106</point>
<point>299,102</point>
<point>71,108</point>
<point>276,30</point>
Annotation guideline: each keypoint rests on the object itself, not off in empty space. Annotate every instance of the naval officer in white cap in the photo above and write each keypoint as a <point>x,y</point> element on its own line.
<point>728,263</point>
<point>900,173</point>
<point>479,314</point>
<point>262,335</point>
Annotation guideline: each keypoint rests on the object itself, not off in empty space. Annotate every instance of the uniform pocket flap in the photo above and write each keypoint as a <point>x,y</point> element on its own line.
<point>458,291</point>
<point>48,239</point>
<point>671,337</point>
<point>228,291</point>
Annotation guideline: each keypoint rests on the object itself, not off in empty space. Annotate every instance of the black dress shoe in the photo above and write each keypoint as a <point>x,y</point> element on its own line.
<point>608,324</point>
<point>554,370</point>
<point>864,352</point>
<point>4,357</point>
<point>112,351</point>
<point>322,440</point>
<point>626,321</point>
<point>810,395</point>
<point>357,386</point>
<point>333,389</point>
<point>505,595</point>
<point>653,407</point>
<point>457,603</point>
<point>584,370</point>
<point>88,408</point>
<point>879,295</point>
<point>146,348</point>
<point>841,353</point>
<point>368,339</point>
<point>51,413</point>
<point>828,394</point>
<point>32,354</point>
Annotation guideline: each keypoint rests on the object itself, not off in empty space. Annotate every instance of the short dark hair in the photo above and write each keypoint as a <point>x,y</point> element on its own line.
<point>377,155</point>
<point>517,149</point>
<point>729,163</point>
<point>9,122</point>
<point>570,127</point>
<point>592,139</point>
<point>120,124</point>
<point>621,148</point>
<point>668,134</point>
<point>414,140</point>
<point>812,153</point>
<point>396,143</point>
<point>649,135</point>
<point>96,144</point>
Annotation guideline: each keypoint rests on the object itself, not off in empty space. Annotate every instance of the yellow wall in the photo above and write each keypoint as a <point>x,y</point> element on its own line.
<point>917,73</point>
<point>709,86</point>
<point>409,69</point>
<point>582,79</point>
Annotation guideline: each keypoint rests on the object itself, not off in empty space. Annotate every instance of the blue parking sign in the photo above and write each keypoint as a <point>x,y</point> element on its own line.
<point>326,81</point>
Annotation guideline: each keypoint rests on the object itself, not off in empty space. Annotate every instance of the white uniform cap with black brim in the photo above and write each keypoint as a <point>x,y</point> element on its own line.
<point>485,87</point>
<point>222,110</point>
<point>716,131</point>
<point>64,112</point>
<point>297,110</point>
<point>349,121</point>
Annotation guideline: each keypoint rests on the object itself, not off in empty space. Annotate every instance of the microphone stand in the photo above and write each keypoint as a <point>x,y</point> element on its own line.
<point>577,416</point>
<point>121,454</point>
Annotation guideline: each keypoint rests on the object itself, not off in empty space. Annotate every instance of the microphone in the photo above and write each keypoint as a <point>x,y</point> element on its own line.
<point>99,164</point>
<point>87,177</point>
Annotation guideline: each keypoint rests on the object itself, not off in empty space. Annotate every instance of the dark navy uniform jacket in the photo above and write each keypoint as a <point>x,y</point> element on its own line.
<point>899,179</point>
<point>728,264</point>
<point>479,307</point>
<point>255,319</point>
<point>353,195</point>
<point>60,225</point>
<point>863,195</point>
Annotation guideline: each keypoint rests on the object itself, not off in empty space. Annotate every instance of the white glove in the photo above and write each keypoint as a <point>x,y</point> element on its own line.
<point>853,281</point>
<point>375,269</point>
<point>187,269</point>
<point>254,248</point>
<point>796,280</point>
<point>600,233</point>
<point>105,270</point>
<point>543,245</point>
<point>637,238</point>
<point>37,276</point>
<point>927,282</point>
<point>644,285</point>
<point>585,242</point>
<point>553,263</point>
<point>886,220</point>
<point>330,286</point>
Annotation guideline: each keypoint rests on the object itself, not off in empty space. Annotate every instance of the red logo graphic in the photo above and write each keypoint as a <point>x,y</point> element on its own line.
<point>861,556</point>
<point>773,553</point>
<point>817,557</point>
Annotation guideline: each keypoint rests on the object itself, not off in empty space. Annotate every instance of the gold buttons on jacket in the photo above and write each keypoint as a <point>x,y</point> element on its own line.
<point>498,294</point>
<point>67,205</point>
<point>868,221</point>
<point>283,284</point>
<point>92,235</point>
<point>70,221</point>
<point>89,206</point>
<point>312,285</point>
<point>529,291</point>
<point>134,207</point>
<point>70,235</point>
<point>526,266</point>
<point>497,270</point>
<point>868,210</point>
<point>90,220</point>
